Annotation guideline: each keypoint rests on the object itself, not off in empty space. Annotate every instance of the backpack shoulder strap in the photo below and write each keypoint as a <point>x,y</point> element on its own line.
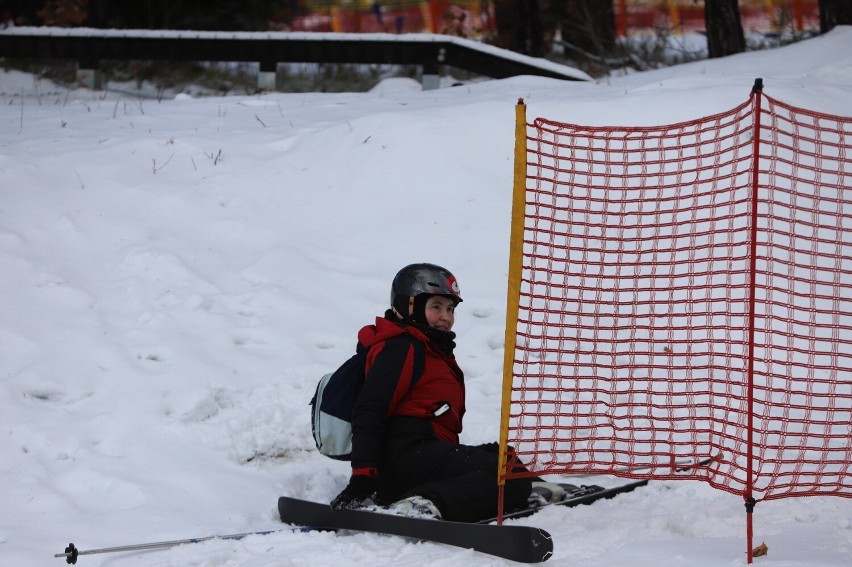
<point>419,357</point>
<point>419,361</point>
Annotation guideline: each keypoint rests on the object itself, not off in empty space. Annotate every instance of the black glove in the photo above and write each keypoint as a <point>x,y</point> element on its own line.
<point>360,492</point>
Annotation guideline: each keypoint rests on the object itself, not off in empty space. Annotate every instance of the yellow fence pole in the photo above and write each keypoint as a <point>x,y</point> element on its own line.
<point>516,249</point>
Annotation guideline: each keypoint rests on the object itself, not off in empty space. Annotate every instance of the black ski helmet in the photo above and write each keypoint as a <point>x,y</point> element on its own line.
<point>421,279</point>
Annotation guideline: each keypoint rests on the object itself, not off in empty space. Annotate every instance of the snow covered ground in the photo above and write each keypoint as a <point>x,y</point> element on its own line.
<point>176,275</point>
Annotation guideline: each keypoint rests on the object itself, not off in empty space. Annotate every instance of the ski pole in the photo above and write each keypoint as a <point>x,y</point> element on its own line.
<point>71,552</point>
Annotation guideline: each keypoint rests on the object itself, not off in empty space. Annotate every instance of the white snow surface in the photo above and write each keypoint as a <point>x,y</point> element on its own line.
<point>177,274</point>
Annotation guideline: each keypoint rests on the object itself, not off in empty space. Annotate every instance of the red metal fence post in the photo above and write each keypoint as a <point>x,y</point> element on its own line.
<point>747,496</point>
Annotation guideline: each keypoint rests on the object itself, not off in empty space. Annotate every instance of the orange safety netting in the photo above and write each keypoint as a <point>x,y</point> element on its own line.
<point>685,293</point>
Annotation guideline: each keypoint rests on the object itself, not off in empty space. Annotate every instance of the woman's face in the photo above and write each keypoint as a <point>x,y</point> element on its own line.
<point>440,312</point>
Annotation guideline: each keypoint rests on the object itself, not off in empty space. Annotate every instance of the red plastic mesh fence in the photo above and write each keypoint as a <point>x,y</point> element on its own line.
<point>686,293</point>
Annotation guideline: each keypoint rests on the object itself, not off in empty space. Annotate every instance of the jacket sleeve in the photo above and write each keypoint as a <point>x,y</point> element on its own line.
<point>389,366</point>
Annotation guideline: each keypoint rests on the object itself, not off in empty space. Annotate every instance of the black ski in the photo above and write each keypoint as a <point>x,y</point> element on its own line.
<point>524,544</point>
<point>585,494</point>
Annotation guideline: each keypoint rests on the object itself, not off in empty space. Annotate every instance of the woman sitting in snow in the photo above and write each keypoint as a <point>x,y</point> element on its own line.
<point>405,438</point>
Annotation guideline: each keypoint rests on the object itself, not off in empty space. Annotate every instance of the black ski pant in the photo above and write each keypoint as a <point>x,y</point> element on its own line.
<point>461,480</point>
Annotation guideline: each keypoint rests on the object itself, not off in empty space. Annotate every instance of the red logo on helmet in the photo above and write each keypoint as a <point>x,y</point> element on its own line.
<point>454,286</point>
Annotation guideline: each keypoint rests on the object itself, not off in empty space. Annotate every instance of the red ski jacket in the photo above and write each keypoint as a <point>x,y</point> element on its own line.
<point>438,395</point>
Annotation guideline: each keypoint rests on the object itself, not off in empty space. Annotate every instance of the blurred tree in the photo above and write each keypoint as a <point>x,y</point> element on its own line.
<point>834,13</point>
<point>518,25</point>
<point>98,14</point>
<point>21,12</point>
<point>237,15</point>
<point>63,13</point>
<point>724,28</point>
<point>588,25</point>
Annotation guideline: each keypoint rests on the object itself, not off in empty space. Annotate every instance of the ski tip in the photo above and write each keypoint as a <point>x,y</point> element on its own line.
<point>544,545</point>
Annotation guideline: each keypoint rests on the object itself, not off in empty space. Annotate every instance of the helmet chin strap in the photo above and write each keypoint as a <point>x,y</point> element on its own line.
<point>410,315</point>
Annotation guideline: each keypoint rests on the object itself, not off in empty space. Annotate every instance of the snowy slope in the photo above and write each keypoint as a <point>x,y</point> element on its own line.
<point>176,275</point>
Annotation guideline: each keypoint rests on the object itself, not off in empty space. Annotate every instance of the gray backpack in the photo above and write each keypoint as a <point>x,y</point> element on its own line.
<point>331,406</point>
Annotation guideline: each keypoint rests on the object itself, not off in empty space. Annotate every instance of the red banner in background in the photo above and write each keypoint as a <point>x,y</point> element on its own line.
<point>475,18</point>
<point>464,19</point>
